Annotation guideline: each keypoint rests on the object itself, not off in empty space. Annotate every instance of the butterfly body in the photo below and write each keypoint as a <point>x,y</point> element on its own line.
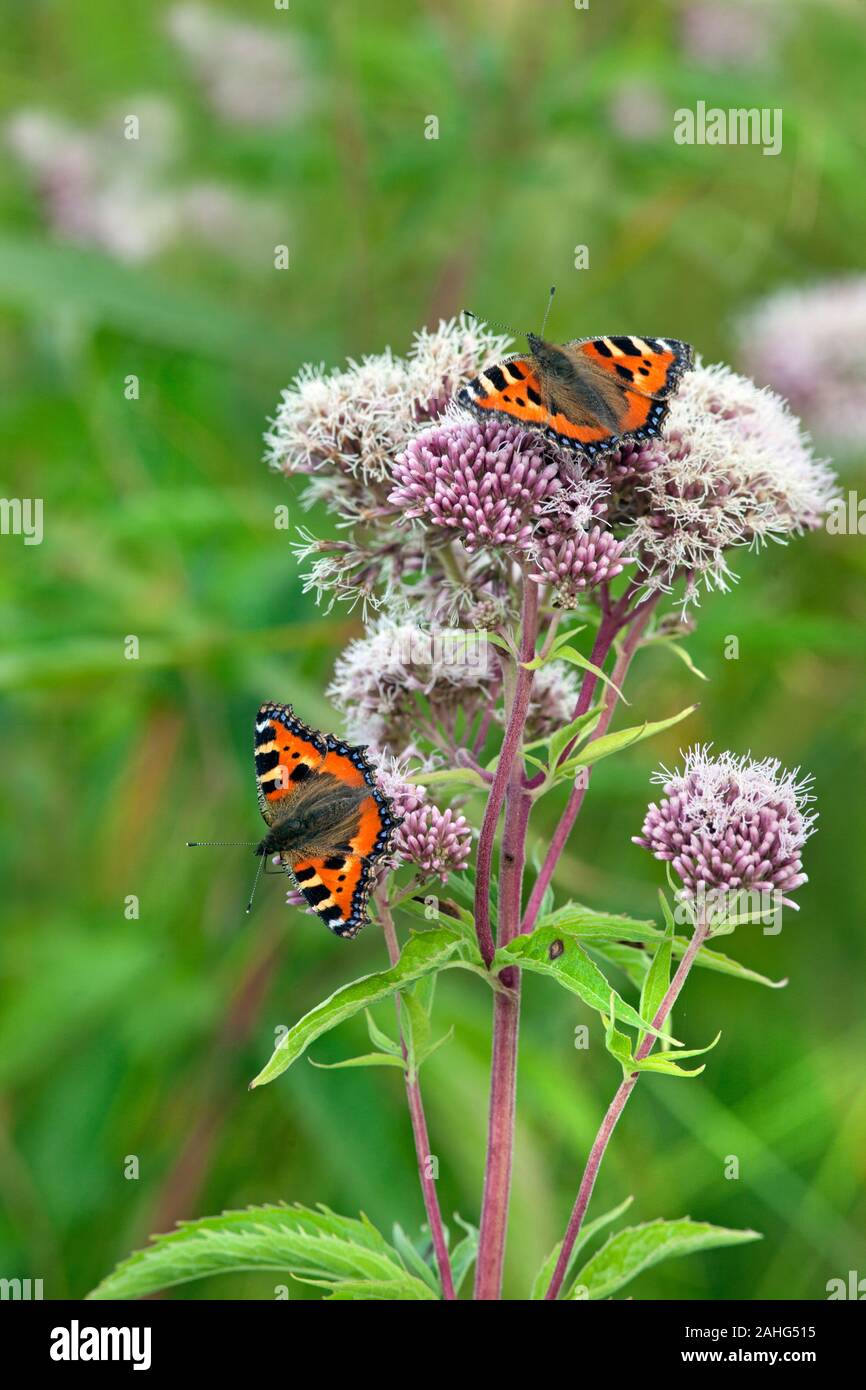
<point>591,395</point>
<point>322,815</point>
<point>327,819</point>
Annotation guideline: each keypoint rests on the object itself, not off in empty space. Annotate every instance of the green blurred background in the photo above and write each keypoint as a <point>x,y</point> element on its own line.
<point>138,1037</point>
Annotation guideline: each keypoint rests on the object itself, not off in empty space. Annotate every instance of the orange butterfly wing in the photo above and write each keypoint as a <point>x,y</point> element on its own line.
<point>512,389</point>
<point>337,889</point>
<point>644,371</point>
<point>651,366</point>
<point>376,819</point>
<point>287,751</point>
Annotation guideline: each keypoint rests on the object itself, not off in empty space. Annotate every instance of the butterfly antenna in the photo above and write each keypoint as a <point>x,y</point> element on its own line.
<point>256,883</point>
<point>491,323</point>
<point>547,310</point>
<point>210,844</point>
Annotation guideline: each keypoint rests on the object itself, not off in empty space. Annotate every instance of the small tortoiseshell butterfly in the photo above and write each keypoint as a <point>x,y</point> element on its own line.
<point>590,395</point>
<point>327,819</point>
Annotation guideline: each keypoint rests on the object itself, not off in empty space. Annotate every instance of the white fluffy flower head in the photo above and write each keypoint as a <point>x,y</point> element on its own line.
<point>734,469</point>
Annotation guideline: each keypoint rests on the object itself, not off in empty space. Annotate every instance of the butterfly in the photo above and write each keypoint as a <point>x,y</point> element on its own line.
<point>328,821</point>
<point>591,395</point>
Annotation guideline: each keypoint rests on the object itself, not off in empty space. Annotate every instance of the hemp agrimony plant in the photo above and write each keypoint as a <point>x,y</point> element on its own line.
<point>506,587</point>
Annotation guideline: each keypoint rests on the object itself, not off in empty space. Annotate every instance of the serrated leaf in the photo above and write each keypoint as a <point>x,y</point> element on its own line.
<point>549,951</point>
<point>315,1246</point>
<point>597,928</point>
<point>423,953</point>
<point>378,1291</point>
<point>630,1252</point>
<point>584,922</point>
<point>545,1274</point>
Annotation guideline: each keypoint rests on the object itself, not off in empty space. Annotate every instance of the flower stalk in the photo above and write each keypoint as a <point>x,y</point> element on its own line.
<point>615,1109</point>
<point>611,624</point>
<point>419,1122</point>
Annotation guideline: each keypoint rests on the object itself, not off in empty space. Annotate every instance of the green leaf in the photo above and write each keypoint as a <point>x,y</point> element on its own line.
<point>617,1044</point>
<point>380,1039</point>
<point>587,924</point>
<point>462,1257</point>
<point>545,1273</point>
<point>413,1259</point>
<point>725,965</point>
<point>549,951</point>
<point>368,1059</point>
<point>451,777</point>
<point>444,912</point>
<point>630,1252</point>
<point>627,956</point>
<point>415,1027</point>
<point>555,647</point>
<point>624,738</point>
<point>658,978</point>
<point>576,658</point>
<point>668,1064</point>
<point>317,1246</point>
<point>503,643</point>
<point>584,724</point>
<point>597,928</point>
<point>423,953</point>
<point>672,644</point>
<point>377,1291</point>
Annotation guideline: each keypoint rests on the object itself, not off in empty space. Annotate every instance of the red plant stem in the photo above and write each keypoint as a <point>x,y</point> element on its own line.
<point>419,1127</point>
<point>617,1105</point>
<point>604,640</point>
<point>508,783</point>
<point>510,746</point>
<point>503,1068</point>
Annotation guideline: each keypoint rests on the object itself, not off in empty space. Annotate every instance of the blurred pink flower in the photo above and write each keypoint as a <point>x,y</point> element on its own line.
<point>120,195</point>
<point>810,344</point>
<point>251,75</point>
<point>637,110</point>
<point>731,33</point>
